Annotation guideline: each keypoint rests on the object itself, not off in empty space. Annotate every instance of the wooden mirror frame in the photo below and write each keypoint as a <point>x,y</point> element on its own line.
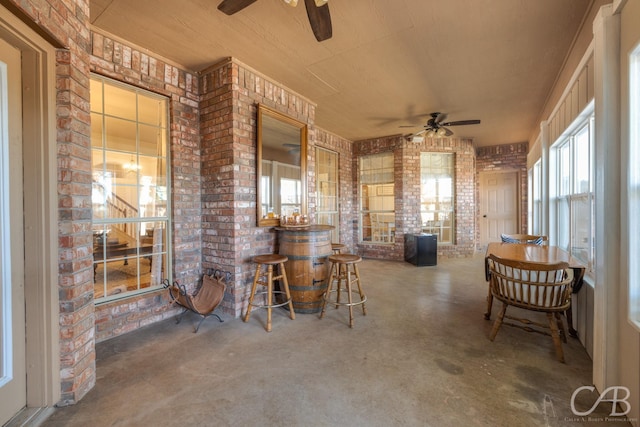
<point>262,135</point>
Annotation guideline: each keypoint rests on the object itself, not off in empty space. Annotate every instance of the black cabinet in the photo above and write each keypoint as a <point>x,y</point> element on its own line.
<point>421,249</point>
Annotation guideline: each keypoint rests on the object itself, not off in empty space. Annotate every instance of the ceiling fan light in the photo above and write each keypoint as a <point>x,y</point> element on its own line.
<point>442,132</point>
<point>321,2</point>
<point>430,134</point>
<point>292,3</point>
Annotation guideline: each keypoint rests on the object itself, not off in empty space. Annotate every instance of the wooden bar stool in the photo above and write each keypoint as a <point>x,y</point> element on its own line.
<point>266,278</point>
<point>337,247</point>
<point>344,273</point>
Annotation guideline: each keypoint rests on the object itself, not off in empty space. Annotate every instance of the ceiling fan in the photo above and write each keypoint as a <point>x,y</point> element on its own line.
<point>437,127</point>
<point>317,11</point>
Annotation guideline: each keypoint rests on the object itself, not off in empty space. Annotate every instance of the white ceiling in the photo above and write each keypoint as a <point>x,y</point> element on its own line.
<point>389,62</point>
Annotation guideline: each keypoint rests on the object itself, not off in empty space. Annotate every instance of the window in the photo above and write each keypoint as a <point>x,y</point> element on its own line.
<point>284,180</point>
<point>327,189</point>
<point>634,188</point>
<point>437,180</point>
<point>290,195</point>
<point>574,204</point>
<point>535,201</point>
<point>377,205</point>
<point>130,189</point>
<point>265,191</point>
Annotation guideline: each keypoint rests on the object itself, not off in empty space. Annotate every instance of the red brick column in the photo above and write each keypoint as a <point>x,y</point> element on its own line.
<point>67,24</point>
<point>230,93</point>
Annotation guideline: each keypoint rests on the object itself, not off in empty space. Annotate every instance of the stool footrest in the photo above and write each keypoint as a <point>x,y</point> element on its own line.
<point>272,305</point>
<point>353,291</point>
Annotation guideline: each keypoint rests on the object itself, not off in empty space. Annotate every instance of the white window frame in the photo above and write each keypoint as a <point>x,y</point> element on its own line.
<point>161,218</point>
<point>633,188</point>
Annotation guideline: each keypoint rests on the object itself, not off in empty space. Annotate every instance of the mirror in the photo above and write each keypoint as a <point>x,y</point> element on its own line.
<point>282,167</point>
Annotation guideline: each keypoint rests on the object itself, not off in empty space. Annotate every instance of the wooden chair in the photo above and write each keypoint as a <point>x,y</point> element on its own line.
<point>532,286</point>
<point>524,238</point>
<point>513,238</point>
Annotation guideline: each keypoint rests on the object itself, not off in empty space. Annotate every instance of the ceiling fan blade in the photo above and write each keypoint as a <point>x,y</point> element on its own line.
<point>232,6</point>
<point>439,117</point>
<point>461,122</point>
<point>320,20</point>
<point>449,133</point>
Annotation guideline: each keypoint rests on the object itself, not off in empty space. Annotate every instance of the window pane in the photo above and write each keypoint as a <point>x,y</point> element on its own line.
<point>535,226</point>
<point>119,102</point>
<point>151,140</point>
<point>327,190</point>
<point>634,188</point>
<point>96,130</point>
<point>582,164</point>
<point>96,96</point>
<point>123,168</point>
<point>122,202</point>
<point>581,231</point>
<point>265,189</point>
<point>564,170</point>
<point>437,195</point>
<point>152,200</point>
<point>290,196</point>
<point>120,135</point>
<point>100,188</point>
<point>563,224</point>
<point>537,183</point>
<point>377,199</point>
<point>152,111</point>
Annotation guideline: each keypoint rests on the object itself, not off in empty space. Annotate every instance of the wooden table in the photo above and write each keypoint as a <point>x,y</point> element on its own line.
<point>535,253</point>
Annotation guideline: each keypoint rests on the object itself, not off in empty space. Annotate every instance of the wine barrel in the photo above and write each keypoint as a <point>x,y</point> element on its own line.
<point>307,268</point>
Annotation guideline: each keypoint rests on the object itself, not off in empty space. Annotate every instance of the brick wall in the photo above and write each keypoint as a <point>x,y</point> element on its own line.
<point>407,192</point>
<point>508,157</point>
<point>230,93</point>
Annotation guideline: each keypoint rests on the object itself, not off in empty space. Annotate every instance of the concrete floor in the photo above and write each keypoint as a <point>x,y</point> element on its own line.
<point>420,357</point>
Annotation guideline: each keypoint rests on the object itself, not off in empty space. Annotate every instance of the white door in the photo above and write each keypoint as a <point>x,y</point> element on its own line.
<point>498,205</point>
<point>13,385</point>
